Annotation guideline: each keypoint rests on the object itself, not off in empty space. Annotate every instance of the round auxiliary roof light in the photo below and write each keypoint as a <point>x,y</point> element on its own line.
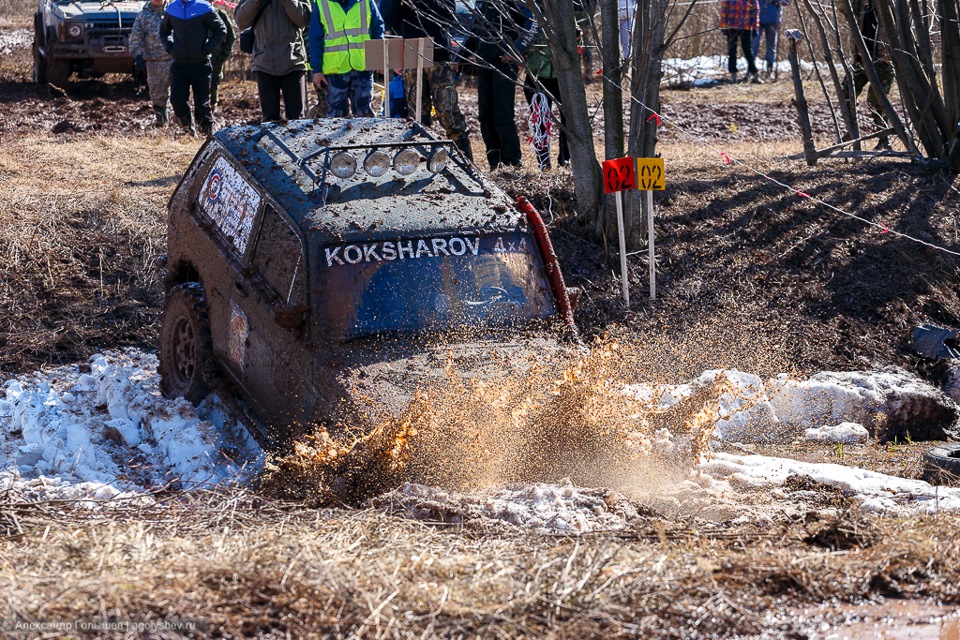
<point>343,165</point>
<point>406,161</point>
<point>376,163</point>
<point>438,159</point>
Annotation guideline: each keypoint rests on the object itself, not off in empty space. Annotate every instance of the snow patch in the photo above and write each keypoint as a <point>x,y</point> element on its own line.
<point>103,431</point>
<point>541,507</point>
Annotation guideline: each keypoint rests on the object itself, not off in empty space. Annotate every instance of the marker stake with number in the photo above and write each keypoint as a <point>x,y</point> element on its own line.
<point>620,174</point>
<point>652,256</point>
<point>623,250</point>
<point>652,176</point>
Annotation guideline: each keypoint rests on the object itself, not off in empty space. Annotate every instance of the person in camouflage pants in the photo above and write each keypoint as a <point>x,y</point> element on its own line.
<point>219,58</point>
<point>433,19</point>
<point>439,91</point>
<point>149,55</point>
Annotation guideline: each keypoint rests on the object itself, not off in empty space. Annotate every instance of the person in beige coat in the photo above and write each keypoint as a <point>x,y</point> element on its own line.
<point>279,53</point>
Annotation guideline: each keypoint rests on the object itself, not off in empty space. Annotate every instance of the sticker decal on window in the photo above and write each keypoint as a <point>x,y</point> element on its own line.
<point>230,202</point>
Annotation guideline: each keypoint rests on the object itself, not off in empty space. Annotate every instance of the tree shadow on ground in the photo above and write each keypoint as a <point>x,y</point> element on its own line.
<point>823,286</point>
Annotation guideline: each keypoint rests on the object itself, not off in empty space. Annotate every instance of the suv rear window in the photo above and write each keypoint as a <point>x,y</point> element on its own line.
<point>431,284</point>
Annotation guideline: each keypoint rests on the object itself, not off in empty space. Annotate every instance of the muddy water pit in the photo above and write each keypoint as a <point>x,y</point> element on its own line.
<point>561,420</point>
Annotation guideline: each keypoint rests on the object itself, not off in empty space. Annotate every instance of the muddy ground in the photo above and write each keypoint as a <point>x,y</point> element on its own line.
<point>733,244</point>
<point>750,275</point>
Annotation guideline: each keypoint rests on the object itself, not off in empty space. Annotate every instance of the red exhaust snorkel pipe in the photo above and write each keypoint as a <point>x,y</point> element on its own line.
<point>551,266</point>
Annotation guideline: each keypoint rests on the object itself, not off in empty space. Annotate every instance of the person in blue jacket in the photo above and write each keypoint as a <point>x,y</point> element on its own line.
<point>770,11</point>
<point>337,33</point>
<point>191,31</point>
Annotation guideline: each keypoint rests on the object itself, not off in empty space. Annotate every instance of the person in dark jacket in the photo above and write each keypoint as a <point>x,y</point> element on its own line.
<point>221,55</point>
<point>279,54</point>
<point>191,32</point>
<point>501,32</point>
<point>433,19</point>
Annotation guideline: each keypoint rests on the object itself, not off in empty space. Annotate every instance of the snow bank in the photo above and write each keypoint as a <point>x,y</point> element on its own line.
<point>828,407</point>
<point>704,70</point>
<point>103,431</point>
<point>875,492</point>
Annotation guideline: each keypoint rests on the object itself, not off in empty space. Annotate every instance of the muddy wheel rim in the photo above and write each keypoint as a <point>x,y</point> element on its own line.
<point>184,351</point>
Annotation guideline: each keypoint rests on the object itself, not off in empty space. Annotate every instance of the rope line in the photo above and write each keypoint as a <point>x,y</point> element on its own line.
<point>884,229</point>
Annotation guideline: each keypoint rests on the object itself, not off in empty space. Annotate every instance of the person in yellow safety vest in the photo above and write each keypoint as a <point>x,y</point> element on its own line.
<point>338,29</point>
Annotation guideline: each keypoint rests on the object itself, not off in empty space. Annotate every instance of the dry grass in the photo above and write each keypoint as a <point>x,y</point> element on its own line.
<point>253,569</point>
<point>81,224</point>
<point>17,13</point>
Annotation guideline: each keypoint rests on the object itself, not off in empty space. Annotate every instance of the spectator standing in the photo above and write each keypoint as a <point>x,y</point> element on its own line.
<point>873,38</point>
<point>433,19</point>
<point>191,31</point>
<point>770,11</point>
<point>150,55</point>
<point>279,54</point>
<point>626,9</point>
<point>220,57</point>
<point>540,87</point>
<point>738,20</point>
<point>501,32</point>
<point>338,29</point>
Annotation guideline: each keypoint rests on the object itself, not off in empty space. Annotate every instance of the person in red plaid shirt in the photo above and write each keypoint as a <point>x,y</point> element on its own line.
<point>738,20</point>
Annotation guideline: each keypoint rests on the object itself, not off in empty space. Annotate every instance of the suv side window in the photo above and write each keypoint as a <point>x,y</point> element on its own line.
<point>229,200</point>
<point>278,257</point>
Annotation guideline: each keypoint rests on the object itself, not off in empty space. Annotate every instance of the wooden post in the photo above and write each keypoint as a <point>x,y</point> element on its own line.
<point>651,254</point>
<point>386,78</point>
<point>809,148</point>
<point>623,250</point>
<point>420,53</point>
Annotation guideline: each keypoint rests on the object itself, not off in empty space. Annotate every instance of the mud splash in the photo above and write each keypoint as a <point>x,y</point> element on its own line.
<point>563,421</point>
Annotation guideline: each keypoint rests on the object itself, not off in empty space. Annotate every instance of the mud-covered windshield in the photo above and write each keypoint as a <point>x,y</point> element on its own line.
<point>431,284</point>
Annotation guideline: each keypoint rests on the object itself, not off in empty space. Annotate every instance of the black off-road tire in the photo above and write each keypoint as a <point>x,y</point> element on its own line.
<point>941,465</point>
<point>58,71</point>
<point>39,61</point>
<point>186,348</point>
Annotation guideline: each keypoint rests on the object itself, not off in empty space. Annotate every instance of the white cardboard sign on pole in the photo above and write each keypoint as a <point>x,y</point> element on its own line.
<point>399,53</point>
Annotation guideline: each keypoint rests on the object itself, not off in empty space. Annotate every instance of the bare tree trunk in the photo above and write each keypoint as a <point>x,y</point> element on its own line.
<point>649,44</point>
<point>892,116</point>
<point>561,33</point>
<point>846,110</point>
<point>922,97</point>
<point>612,103</point>
<point>950,57</point>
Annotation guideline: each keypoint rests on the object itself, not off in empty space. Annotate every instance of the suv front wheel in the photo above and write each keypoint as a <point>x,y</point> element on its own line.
<point>186,349</point>
<point>39,60</point>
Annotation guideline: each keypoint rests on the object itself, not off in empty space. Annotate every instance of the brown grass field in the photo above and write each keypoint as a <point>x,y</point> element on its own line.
<point>752,277</point>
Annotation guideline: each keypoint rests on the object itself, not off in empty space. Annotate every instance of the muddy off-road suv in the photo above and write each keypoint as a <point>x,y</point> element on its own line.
<point>89,38</point>
<point>324,268</point>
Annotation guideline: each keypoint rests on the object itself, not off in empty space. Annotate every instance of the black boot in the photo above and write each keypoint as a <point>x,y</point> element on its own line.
<point>463,143</point>
<point>161,114</point>
<point>186,121</point>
